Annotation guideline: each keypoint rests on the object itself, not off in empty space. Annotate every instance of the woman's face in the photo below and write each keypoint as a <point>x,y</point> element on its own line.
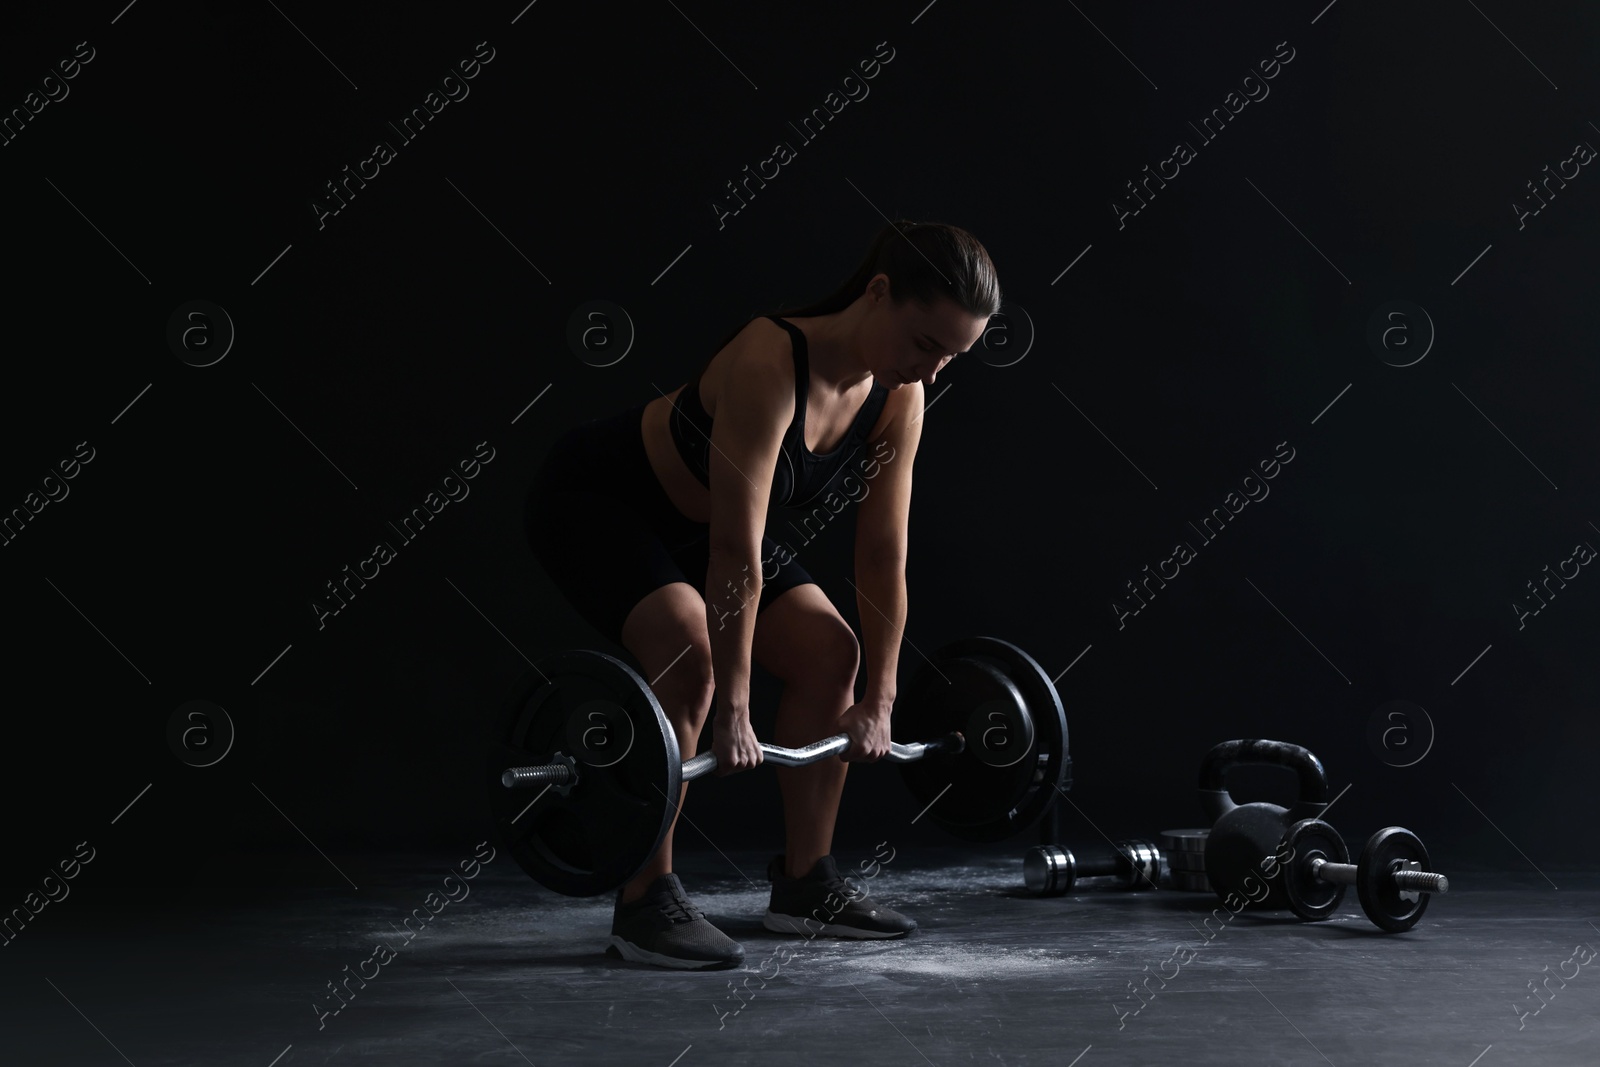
<point>912,342</point>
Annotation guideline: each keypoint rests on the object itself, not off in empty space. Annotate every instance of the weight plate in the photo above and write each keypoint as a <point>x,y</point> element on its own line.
<point>1184,840</point>
<point>595,836</point>
<point>1385,903</point>
<point>999,731</point>
<point>1186,861</point>
<point>1308,896</point>
<point>973,686</point>
<point>1190,882</point>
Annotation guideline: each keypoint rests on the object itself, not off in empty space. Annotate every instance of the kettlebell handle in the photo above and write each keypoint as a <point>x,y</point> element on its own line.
<point>1214,796</point>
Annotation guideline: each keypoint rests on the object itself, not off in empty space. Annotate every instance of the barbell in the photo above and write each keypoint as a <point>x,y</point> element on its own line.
<point>562,770</point>
<point>980,737</point>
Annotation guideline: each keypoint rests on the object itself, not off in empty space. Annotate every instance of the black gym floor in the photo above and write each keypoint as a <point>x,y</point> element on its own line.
<point>514,974</point>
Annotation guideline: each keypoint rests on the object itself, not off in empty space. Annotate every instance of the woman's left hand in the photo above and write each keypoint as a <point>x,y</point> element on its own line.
<point>867,724</point>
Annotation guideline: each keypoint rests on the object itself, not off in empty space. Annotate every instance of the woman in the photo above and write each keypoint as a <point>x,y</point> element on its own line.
<point>668,500</point>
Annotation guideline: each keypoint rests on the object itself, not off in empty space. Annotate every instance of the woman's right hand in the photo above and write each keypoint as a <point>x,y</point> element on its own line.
<point>734,742</point>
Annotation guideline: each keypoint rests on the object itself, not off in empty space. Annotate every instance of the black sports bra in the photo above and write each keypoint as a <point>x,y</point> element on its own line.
<point>800,475</point>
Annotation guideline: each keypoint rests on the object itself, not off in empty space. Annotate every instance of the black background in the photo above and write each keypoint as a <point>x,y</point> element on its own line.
<point>1196,338</point>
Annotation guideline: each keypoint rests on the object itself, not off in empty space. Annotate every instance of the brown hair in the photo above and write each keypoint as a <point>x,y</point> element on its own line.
<point>924,261</point>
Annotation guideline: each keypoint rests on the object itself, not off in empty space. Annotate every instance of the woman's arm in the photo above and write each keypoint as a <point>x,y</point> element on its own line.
<point>755,404</point>
<point>881,542</point>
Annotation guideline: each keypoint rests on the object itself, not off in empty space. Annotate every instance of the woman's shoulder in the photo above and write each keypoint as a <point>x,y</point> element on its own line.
<point>769,334</point>
<point>760,347</point>
<point>758,359</point>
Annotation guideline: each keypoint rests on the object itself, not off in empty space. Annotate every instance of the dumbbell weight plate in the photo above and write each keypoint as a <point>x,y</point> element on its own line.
<point>599,711</point>
<point>1185,851</point>
<point>1384,902</point>
<point>1310,897</point>
<point>1184,840</point>
<point>1190,881</point>
<point>1003,703</point>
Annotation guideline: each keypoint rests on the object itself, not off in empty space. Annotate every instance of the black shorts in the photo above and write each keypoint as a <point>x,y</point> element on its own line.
<point>608,534</point>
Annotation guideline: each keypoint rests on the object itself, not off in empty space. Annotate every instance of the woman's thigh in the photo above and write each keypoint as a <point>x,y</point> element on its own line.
<point>693,560</point>
<point>666,632</point>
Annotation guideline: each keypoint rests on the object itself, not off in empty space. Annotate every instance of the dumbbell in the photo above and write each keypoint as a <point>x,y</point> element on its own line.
<point>1051,871</point>
<point>1392,877</point>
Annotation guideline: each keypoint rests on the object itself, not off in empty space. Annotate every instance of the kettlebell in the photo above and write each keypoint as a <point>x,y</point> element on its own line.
<point>1243,836</point>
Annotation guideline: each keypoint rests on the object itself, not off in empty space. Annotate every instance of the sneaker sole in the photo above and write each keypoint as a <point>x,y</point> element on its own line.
<point>629,951</point>
<point>789,924</point>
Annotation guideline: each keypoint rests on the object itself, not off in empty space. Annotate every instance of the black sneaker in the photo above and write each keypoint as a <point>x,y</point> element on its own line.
<point>825,902</point>
<point>664,928</point>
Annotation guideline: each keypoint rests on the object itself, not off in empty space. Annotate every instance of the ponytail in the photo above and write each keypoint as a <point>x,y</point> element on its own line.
<point>925,261</point>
